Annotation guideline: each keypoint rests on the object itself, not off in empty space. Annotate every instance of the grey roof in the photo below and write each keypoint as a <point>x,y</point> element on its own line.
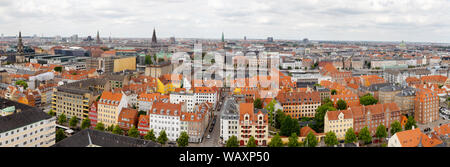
<point>83,86</point>
<point>99,138</point>
<point>230,109</point>
<point>390,88</point>
<point>26,116</point>
<point>375,87</point>
<point>407,92</point>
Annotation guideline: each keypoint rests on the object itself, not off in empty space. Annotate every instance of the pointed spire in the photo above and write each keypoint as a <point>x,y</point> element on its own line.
<point>98,38</point>
<point>19,43</point>
<point>154,36</point>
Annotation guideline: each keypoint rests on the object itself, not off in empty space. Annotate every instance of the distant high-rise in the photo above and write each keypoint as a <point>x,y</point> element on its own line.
<point>305,40</point>
<point>172,40</point>
<point>20,44</point>
<point>98,38</point>
<point>223,37</point>
<point>110,40</point>
<point>269,39</point>
<point>245,38</point>
<point>154,37</point>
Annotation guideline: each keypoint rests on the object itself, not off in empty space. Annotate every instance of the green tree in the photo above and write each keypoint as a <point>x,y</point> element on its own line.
<point>22,83</point>
<point>368,99</point>
<point>396,127</point>
<point>150,136</point>
<point>333,91</point>
<point>320,115</point>
<point>289,126</point>
<point>327,101</point>
<point>341,105</point>
<point>60,135</point>
<point>271,108</point>
<point>62,119</point>
<point>364,135</point>
<point>279,117</point>
<point>331,139</point>
<point>410,123</point>
<point>183,140</point>
<point>117,130</point>
<point>52,113</point>
<point>58,69</point>
<point>251,142</point>
<point>86,123</point>
<point>73,122</point>
<point>110,128</point>
<point>311,140</point>
<point>350,136</point>
<point>133,132</point>
<point>148,60</point>
<point>381,132</point>
<point>162,138</point>
<point>257,103</point>
<point>100,126</point>
<point>276,141</point>
<point>232,142</point>
<point>293,140</point>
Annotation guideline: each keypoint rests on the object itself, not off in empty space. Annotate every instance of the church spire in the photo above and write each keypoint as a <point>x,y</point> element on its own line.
<point>98,38</point>
<point>154,36</point>
<point>19,43</point>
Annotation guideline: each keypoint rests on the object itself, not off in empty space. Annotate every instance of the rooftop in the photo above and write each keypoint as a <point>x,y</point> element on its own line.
<point>89,137</point>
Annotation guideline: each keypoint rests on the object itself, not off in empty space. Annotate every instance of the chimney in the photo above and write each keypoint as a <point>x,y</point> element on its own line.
<point>413,127</point>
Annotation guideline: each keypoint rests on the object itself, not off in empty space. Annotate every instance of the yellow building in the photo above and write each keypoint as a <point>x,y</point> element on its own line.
<point>124,63</point>
<point>338,122</point>
<point>109,107</point>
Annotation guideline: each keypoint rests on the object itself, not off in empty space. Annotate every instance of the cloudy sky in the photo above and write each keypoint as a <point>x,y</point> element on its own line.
<point>372,20</point>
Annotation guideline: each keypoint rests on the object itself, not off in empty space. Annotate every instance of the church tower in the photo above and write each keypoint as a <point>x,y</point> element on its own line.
<point>20,44</point>
<point>154,37</point>
<point>98,38</point>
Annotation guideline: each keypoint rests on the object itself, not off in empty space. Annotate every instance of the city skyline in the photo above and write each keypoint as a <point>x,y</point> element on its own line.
<point>289,20</point>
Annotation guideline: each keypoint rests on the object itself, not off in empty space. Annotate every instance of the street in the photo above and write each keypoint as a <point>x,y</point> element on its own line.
<point>214,139</point>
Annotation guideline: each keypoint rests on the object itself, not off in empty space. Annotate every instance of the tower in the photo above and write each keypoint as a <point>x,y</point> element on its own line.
<point>98,38</point>
<point>154,37</point>
<point>20,44</point>
<point>223,37</point>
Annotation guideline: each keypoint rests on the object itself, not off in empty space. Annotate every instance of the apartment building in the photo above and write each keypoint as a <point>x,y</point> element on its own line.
<point>188,98</point>
<point>299,104</point>
<point>166,116</point>
<point>74,99</point>
<point>206,94</point>
<point>338,122</point>
<point>195,123</point>
<point>93,115</point>
<point>144,124</point>
<point>405,101</point>
<point>374,115</point>
<point>229,120</point>
<point>253,122</point>
<point>26,126</point>
<point>426,106</point>
<point>146,100</point>
<point>387,94</point>
<point>128,118</point>
<point>351,99</point>
<point>109,107</point>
